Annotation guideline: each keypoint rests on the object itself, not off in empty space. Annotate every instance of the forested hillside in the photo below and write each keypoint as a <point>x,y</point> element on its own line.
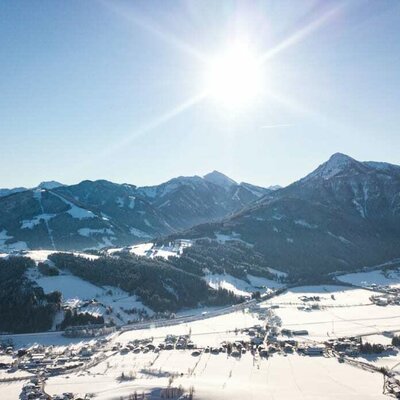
<point>23,305</point>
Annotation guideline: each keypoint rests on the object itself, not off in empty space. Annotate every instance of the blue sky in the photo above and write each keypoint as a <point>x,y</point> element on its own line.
<point>107,89</point>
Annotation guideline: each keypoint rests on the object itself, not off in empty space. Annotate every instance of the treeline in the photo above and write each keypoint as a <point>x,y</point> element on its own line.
<point>24,307</point>
<point>232,257</point>
<point>159,284</point>
<point>396,340</point>
<point>47,269</point>
<point>371,348</point>
<point>73,318</point>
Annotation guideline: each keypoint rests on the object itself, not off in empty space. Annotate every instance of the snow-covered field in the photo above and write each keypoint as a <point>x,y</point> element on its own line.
<point>151,250</point>
<point>342,311</point>
<point>42,255</point>
<point>77,293</point>
<point>216,376</point>
<point>222,377</point>
<point>325,311</point>
<point>378,277</point>
<point>241,287</point>
<point>205,332</point>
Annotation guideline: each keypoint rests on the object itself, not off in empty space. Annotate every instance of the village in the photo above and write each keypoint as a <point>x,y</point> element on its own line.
<point>261,337</point>
<point>327,325</point>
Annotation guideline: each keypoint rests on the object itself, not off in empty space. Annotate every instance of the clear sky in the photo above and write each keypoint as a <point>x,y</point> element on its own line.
<point>115,89</point>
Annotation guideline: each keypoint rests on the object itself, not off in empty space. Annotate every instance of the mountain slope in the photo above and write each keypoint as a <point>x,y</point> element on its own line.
<point>345,214</point>
<point>7,192</point>
<point>95,214</point>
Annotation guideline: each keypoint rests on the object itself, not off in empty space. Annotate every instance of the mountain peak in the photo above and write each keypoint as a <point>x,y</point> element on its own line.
<point>49,185</point>
<point>337,164</point>
<point>219,179</point>
<point>340,158</point>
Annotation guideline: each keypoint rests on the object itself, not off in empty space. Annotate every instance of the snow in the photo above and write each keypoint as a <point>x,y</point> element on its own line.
<point>378,277</point>
<point>39,255</point>
<point>378,339</point>
<point>149,191</point>
<point>222,238</point>
<point>382,166</point>
<point>217,178</point>
<point>30,224</point>
<point>10,247</point>
<point>255,190</point>
<point>341,238</point>
<point>79,213</point>
<point>11,390</point>
<point>280,274</point>
<point>239,286</point>
<point>70,286</point>
<point>172,249</point>
<point>359,207</point>
<point>219,377</point>
<point>42,255</point>
<point>305,224</point>
<point>37,194</point>
<point>343,311</point>
<point>88,231</point>
<point>138,233</point>
<point>84,255</point>
<point>146,221</point>
<point>132,200</point>
<point>333,167</point>
<point>49,185</point>
<point>75,211</point>
<point>209,331</point>
<point>75,291</point>
<point>44,338</point>
<point>142,249</point>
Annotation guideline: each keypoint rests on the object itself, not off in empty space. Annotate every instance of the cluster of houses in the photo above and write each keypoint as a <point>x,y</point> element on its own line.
<point>354,346</point>
<point>35,390</point>
<point>393,386</point>
<point>171,342</point>
<point>48,361</point>
<point>345,346</point>
<point>390,296</point>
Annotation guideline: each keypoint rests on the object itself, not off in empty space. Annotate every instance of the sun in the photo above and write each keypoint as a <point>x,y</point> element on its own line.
<point>234,78</point>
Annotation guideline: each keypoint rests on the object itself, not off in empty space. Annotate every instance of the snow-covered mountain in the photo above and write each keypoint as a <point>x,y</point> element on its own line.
<point>49,185</point>
<point>220,179</point>
<point>42,185</point>
<point>99,213</point>
<point>343,215</point>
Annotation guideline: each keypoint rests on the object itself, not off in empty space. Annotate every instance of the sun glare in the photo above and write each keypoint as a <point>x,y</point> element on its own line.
<point>234,78</point>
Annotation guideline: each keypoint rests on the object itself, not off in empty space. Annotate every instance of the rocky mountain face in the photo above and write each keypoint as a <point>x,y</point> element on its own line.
<point>101,213</point>
<point>344,215</point>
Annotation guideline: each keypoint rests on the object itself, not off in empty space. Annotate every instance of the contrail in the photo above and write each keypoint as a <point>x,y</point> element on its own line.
<point>273,126</point>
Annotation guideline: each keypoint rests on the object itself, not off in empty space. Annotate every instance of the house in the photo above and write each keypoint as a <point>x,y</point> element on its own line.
<point>315,350</point>
<point>300,332</point>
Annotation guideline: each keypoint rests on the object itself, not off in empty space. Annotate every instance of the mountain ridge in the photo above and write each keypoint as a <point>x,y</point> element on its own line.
<point>93,214</point>
<point>343,215</point>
